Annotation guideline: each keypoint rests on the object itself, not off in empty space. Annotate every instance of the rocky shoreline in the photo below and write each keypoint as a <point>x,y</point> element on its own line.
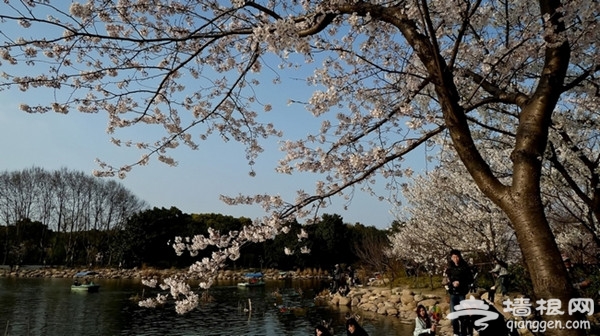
<point>394,302</point>
<point>402,303</point>
<point>143,273</point>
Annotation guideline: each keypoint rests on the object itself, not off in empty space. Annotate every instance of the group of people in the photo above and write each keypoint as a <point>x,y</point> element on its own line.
<point>460,279</point>
<point>343,280</point>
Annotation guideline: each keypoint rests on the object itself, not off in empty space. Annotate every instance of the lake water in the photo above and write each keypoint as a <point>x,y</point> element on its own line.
<point>48,307</point>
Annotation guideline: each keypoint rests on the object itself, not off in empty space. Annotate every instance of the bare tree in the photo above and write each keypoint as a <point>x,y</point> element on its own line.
<point>65,201</point>
<point>372,253</point>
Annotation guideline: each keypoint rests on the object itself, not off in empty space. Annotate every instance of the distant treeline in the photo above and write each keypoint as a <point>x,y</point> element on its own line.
<point>145,240</point>
<point>60,217</point>
<point>65,201</point>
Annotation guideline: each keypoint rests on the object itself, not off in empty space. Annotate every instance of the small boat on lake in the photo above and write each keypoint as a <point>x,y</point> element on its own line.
<point>90,287</point>
<point>86,285</point>
<point>252,280</point>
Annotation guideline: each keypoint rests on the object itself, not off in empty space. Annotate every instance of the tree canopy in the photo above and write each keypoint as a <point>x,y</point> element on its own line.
<point>446,211</point>
<point>387,76</point>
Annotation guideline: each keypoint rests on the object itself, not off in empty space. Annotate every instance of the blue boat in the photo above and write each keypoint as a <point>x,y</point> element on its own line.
<point>253,280</point>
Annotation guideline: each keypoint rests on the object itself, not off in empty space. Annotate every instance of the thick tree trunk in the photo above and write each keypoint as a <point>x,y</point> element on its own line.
<point>521,200</point>
<point>544,262</point>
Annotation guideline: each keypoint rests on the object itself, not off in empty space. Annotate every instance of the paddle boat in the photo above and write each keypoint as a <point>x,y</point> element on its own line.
<point>85,286</point>
<point>252,280</point>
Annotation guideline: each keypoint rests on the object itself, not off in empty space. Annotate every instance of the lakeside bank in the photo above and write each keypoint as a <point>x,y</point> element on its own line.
<point>144,273</point>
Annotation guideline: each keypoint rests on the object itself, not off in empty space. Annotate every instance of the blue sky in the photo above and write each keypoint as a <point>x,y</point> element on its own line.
<point>75,140</point>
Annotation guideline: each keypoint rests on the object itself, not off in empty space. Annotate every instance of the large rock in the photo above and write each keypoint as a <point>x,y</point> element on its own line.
<point>428,302</point>
<point>407,298</point>
<point>392,312</point>
<point>368,307</point>
<point>407,292</point>
<point>412,306</point>
<point>373,297</point>
<point>395,298</point>
<point>344,301</point>
<point>378,301</point>
<point>411,315</point>
<point>388,304</point>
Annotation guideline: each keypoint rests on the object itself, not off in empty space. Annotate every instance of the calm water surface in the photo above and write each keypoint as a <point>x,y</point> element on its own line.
<point>48,307</point>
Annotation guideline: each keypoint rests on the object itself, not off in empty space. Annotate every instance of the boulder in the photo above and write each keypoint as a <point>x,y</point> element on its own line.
<point>368,307</point>
<point>344,301</point>
<point>411,315</point>
<point>428,302</point>
<point>392,312</point>
<point>395,298</point>
<point>406,298</point>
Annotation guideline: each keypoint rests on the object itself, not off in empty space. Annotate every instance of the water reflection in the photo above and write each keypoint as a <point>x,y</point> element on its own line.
<point>48,307</point>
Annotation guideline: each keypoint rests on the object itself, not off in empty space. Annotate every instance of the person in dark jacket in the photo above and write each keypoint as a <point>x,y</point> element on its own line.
<point>321,330</point>
<point>460,278</point>
<point>354,329</point>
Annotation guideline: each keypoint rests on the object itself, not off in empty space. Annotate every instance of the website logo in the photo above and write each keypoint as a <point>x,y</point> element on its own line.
<point>474,307</point>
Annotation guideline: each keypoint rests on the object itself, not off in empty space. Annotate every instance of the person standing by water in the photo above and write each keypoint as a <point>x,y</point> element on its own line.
<point>337,278</point>
<point>500,272</point>
<point>460,277</point>
<point>423,324</point>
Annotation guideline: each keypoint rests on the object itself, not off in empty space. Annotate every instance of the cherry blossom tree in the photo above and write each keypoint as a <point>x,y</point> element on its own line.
<point>572,180</point>
<point>387,77</point>
<point>445,210</point>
